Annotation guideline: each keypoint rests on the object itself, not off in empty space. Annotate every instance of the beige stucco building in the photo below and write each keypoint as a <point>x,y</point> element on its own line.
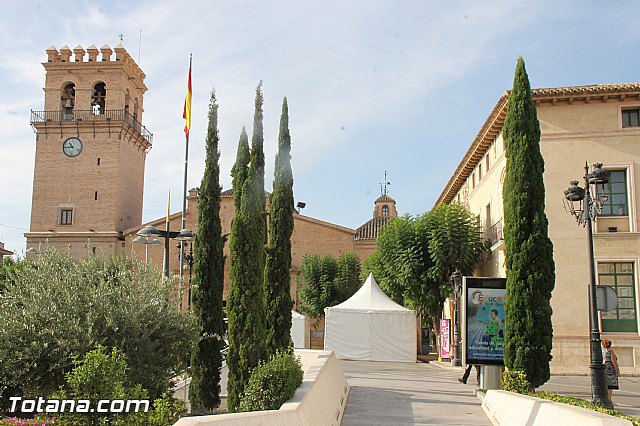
<point>596,123</point>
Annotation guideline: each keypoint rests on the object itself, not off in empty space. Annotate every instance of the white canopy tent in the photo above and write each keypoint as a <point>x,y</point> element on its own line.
<point>370,326</point>
<point>299,330</point>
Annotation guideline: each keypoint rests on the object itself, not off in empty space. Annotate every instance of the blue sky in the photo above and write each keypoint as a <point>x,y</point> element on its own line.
<point>402,86</point>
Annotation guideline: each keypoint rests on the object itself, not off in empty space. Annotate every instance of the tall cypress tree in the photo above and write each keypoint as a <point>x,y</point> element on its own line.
<point>240,168</point>
<point>257,142</point>
<point>245,302</point>
<point>277,276</point>
<point>208,282</point>
<point>529,251</point>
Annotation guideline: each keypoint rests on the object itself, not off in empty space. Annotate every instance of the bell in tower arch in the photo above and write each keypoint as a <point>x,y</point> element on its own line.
<point>68,101</point>
<point>98,98</point>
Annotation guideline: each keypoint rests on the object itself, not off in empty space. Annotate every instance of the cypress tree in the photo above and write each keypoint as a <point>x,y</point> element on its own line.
<point>240,169</point>
<point>257,143</point>
<point>208,282</point>
<point>529,251</point>
<point>277,277</point>
<point>245,302</point>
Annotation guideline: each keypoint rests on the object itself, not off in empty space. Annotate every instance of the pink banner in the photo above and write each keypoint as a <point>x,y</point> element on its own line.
<point>445,338</point>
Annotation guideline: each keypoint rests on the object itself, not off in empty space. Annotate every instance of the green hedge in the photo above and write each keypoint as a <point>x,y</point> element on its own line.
<point>584,404</point>
<point>272,383</point>
<point>516,381</point>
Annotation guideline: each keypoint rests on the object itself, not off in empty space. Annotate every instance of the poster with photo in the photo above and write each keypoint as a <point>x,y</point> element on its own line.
<point>484,320</point>
<point>445,339</point>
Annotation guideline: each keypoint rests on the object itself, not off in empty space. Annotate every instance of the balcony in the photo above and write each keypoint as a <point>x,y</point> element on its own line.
<point>494,234</point>
<point>78,116</point>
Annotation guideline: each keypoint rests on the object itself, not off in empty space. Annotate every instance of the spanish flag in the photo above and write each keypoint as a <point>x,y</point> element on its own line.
<point>187,105</point>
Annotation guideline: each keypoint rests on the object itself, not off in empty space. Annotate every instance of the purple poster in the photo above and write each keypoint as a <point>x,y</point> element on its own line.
<point>445,338</point>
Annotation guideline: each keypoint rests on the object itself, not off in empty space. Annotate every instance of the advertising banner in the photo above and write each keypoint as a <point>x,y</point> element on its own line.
<point>445,338</point>
<point>484,320</point>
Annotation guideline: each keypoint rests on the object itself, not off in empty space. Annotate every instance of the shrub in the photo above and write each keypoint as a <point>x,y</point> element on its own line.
<point>272,383</point>
<point>516,381</point>
<point>55,307</point>
<point>99,375</point>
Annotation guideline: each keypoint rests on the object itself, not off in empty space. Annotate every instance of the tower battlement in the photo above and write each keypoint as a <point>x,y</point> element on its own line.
<point>92,55</point>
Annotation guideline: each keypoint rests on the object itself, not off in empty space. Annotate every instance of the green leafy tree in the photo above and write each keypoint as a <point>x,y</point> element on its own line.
<point>415,257</point>
<point>208,283</point>
<point>245,302</point>
<point>278,263</point>
<point>528,249</point>
<point>55,307</point>
<point>240,168</point>
<point>327,281</point>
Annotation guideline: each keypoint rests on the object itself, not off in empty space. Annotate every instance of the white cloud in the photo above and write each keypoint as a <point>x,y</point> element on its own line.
<point>402,86</point>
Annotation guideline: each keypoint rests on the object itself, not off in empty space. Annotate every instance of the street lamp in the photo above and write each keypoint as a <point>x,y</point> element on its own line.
<point>147,241</point>
<point>456,288</point>
<point>580,203</point>
<point>152,232</point>
<point>188,258</point>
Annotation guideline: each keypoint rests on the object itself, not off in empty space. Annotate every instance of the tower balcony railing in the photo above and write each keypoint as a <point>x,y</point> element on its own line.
<point>73,115</point>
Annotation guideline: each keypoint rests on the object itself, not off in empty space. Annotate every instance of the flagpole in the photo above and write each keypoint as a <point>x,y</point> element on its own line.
<point>186,167</point>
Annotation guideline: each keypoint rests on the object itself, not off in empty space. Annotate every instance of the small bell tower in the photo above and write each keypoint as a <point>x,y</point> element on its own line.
<point>91,149</point>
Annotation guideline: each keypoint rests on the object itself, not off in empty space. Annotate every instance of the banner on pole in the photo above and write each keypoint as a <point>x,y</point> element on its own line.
<point>445,338</point>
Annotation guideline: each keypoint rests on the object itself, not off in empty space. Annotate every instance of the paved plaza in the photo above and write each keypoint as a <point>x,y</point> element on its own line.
<point>391,393</point>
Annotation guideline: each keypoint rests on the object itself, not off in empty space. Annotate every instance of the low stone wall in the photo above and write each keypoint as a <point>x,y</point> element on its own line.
<point>571,354</point>
<point>320,400</point>
<point>512,409</point>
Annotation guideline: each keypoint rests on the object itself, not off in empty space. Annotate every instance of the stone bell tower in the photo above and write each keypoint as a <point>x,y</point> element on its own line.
<point>90,151</point>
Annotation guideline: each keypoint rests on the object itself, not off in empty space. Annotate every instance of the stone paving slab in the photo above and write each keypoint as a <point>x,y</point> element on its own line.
<point>390,393</point>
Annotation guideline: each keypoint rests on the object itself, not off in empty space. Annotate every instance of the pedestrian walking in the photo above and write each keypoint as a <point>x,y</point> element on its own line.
<point>467,371</point>
<point>611,366</point>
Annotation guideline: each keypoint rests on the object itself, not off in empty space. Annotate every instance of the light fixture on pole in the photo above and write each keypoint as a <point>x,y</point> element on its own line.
<point>189,260</point>
<point>147,241</point>
<point>456,288</point>
<point>152,232</point>
<point>301,205</point>
<point>586,207</point>
<point>184,237</point>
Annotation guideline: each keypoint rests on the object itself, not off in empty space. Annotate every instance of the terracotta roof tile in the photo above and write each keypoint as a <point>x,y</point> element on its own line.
<point>370,230</point>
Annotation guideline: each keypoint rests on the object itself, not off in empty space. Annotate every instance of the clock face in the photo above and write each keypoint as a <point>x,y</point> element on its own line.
<point>72,147</point>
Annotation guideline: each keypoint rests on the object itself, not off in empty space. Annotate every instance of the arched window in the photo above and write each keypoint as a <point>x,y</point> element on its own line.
<point>385,210</point>
<point>68,101</point>
<point>98,98</point>
<point>135,114</point>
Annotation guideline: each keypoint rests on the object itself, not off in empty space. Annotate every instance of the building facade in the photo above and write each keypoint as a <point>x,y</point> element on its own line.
<point>90,151</point>
<point>598,123</point>
<point>310,236</point>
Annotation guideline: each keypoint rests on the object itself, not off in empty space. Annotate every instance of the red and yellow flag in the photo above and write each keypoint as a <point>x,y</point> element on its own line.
<point>187,105</point>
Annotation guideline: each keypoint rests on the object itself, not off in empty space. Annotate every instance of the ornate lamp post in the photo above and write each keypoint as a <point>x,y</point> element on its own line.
<point>586,208</point>
<point>456,287</point>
